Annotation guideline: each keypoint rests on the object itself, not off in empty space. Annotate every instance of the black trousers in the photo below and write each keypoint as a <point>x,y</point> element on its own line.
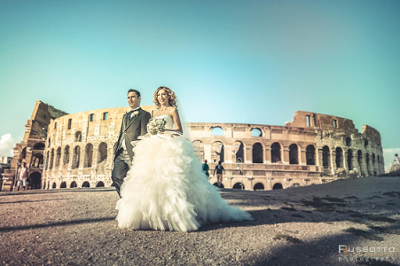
<point>122,164</point>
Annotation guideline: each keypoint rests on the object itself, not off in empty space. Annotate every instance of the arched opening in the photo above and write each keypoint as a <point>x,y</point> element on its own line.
<point>310,155</point>
<point>259,186</point>
<point>73,184</point>
<point>39,146</point>
<point>258,154</point>
<point>326,156</point>
<point>238,186</point>
<point>77,157</point>
<point>256,132</point>
<point>37,160</point>
<point>373,160</point>
<point>22,155</point>
<point>238,151</point>
<point>217,131</point>
<point>293,154</point>
<point>47,160</point>
<point>339,157</point>
<point>198,148</point>
<point>220,185</point>
<point>365,143</point>
<point>102,155</point>
<point>88,155</point>
<point>276,153</point>
<point>54,185</point>
<point>217,152</point>
<point>367,161</point>
<point>78,136</point>
<point>277,186</point>
<point>348,142</point>
<point>58,156</point>
<point>100,184</point>
<point>350,159</point>
<point>63,185</point>
<point>66,155</point>
<point>51,159</point>
<point>86,184</point>
<point>35,180</point>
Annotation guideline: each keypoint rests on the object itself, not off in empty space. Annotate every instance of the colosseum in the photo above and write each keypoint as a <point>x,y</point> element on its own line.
<point>76,150</point>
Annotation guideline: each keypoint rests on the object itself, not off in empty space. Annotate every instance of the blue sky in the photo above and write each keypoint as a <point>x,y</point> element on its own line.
<point>228,61</point>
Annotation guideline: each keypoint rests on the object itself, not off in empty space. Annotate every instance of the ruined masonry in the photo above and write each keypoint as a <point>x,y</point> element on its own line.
<point>76,150</point>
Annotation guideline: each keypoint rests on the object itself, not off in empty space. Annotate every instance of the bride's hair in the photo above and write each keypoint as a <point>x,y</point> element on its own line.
<point>171,95</point>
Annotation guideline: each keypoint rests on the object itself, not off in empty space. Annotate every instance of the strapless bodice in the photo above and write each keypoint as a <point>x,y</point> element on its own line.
<point>170,122</point>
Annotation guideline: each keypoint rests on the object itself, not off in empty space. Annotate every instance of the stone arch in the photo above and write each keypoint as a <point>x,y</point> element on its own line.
<point>73,184</point>
<point>86,184</point>
<point>198,148</point>
<point>66,155</point>
<point>293,154</point>
<point>77,157</point>
<point>37,160</point>
<point>51,159</point>
<point>373,159</point>
<point>256,132</point>
<point>277,186</point>
<point>238,185</point>
<point>78,136</point>
<point>217,131</point>
<point>238,150</point>
<point>258,153</point>
<point>276,154</point>
<point>88,155</point>
<point>39,146</point>
<point>348,141</point>
<point>54,185</point>
<point>367,162</point>
<point>217,152</point>
<point>47,160</point>
<point>58,156</point>
<point>259,186</point>
<point>63,185</point>
<point>339,157</point>
<point>359,159</point>
<point>326,156</point>
<point>100,184</point>
<point>350,159</point>
<point>310,155</point>
<point>102,153</point>
<point>35,180</point>
<point>365,143</point>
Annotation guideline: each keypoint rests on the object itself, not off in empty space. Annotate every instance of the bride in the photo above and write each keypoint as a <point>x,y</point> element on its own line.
<point>165,188</point>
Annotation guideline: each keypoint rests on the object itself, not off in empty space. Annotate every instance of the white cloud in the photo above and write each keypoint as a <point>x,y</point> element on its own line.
<point>388,155</point>
<point>7,144</point>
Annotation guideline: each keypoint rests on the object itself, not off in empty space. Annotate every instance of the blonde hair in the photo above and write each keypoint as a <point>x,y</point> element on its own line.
<point>171,95</point>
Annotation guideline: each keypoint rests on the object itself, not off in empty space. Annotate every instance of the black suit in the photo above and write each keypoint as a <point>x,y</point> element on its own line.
<point>131,129</point>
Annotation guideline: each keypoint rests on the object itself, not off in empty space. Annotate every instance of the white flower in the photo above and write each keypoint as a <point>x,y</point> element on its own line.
<point>136,113</point>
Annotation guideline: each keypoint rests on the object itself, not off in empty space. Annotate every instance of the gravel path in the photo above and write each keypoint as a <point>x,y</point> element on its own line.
<point>296,226</point>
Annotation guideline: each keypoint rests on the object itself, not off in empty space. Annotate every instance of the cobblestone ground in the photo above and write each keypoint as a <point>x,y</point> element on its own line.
<point>296,226</point>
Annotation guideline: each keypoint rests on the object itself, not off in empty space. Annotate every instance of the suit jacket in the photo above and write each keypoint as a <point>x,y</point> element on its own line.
<point>131,130</point>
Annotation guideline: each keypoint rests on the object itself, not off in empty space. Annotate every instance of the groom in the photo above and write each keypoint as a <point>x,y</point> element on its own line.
<point>134,124</point>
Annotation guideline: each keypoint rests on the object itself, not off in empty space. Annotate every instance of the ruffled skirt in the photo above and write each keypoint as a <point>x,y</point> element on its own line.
<point>166,189</point>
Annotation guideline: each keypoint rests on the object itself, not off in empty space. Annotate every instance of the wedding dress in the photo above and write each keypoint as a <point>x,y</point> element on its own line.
<point>166,188</point>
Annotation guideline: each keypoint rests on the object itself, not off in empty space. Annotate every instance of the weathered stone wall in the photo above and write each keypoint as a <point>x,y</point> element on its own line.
<point>30,150</point>
<point>313,149</point>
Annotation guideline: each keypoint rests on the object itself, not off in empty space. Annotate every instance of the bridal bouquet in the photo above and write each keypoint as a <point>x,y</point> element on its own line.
<point>156,125</point>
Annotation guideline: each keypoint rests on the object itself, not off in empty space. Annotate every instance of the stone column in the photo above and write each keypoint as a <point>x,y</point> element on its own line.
<point>267,156</point>
<point>285,158</point>
<point>207,151</point>
<point>319,156</point>
<point>248,154</point>
<point>303,157</point>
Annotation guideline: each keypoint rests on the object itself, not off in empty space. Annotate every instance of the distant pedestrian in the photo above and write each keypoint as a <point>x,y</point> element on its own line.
<point>219,169</point>
<point>206,168</point>
<point>22,176</point>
